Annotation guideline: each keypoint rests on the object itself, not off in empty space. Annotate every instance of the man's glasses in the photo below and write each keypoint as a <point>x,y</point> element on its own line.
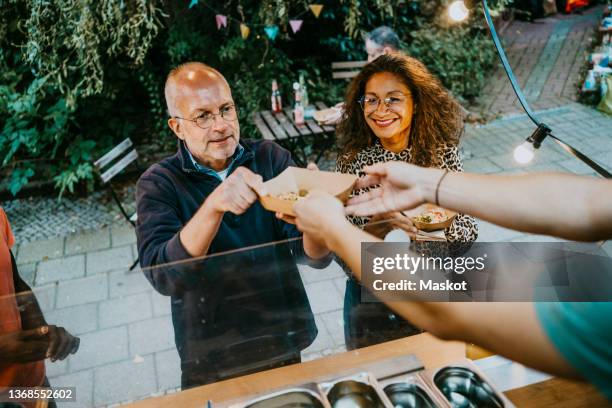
<point>370,104</point>
<point>207,119</point>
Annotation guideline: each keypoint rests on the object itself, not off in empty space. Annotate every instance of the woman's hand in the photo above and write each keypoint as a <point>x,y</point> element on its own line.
<point>317,214</point>
<point>403,222</point>
<point>381,224</point>
<point>402,186</point>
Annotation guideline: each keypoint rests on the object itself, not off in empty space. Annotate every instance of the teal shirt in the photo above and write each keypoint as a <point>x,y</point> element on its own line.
<point>203,169</point>
<point>582,333</point>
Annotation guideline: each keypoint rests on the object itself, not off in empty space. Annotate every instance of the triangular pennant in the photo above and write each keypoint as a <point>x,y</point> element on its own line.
<point>316,9</point>
<point>221,21</point>
<point>244,31</point>
<point>296,25</point>
<point>193,3</point>
<point>272,32</point>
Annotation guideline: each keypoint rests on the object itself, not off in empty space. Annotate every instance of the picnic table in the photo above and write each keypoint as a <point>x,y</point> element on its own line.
<point>310,139</point>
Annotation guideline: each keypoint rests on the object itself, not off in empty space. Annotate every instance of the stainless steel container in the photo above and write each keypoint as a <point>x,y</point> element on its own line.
<point>304,396</point>
<point>459,385</point>
<point>464,386</point>
<point>410,390</point>
<point>356,391</point>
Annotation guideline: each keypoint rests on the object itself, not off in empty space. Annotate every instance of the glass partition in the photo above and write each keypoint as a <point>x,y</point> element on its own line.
<point>174,326</point>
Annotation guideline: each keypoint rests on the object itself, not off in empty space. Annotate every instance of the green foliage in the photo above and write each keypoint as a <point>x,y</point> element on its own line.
<point>78,76</point>
<point>460,56</point>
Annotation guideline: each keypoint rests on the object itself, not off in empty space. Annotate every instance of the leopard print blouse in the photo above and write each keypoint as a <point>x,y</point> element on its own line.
<point>463,229</point>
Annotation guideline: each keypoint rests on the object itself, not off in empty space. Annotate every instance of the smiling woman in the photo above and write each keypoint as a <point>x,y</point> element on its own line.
<point>396,110</point>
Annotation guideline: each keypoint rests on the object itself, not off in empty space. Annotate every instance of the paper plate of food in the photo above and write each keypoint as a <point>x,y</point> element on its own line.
<point>329,116</point>
<point>429,217</point>
<point>295,183</point>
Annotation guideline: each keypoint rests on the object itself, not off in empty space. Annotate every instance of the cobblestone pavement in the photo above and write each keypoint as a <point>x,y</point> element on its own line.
<point>547,57</point>
<point>39,218</point>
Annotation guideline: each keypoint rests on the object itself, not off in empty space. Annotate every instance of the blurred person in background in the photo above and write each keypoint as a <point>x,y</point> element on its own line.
<point>25,337</point>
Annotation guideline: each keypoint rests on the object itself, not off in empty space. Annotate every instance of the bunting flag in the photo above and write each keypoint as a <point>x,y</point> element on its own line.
<point>296,25</point>
<point>244,31</point>
<point>221,21</point>
<point>272,32</point>
<point>316,9</point>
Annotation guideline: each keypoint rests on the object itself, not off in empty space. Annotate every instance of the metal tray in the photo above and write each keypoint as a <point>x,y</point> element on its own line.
<point>356,391</point>
<point>412,391</point>
<point>304,396</point>
<point>464,386</point>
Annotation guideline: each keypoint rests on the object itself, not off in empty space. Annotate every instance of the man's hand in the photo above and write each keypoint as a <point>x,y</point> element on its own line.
<point>401,188</point>
<point>237,192</point>
<point>24,346</point>
<point>60,343</point>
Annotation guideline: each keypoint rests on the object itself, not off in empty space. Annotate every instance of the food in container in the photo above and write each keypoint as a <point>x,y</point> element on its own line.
<point>285,190</point>
<point>429,217</point>
<point>293,196</point>
<point>433,215</point>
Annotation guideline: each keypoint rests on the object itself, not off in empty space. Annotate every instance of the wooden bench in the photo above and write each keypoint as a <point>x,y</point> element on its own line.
<point>281,128</point>
<point>347,70</point>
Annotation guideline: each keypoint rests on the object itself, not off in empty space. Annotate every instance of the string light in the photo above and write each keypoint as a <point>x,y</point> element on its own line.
<point>457,11</point>
<point>525,152</point>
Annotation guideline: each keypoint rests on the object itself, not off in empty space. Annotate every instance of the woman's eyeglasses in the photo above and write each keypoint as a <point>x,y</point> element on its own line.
<point>207,119</point>
<point>370,104</point>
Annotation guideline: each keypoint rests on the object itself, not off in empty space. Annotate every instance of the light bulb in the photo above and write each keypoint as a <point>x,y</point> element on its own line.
<point>524,153</point>
<point>457,11</point>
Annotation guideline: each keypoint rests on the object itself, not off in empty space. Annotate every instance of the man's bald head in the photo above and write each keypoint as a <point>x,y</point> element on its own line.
<point>188,78</point>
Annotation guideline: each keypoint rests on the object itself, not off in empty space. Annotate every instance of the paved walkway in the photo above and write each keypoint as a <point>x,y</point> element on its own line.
<point>547,57</point>
<point>127,347</point>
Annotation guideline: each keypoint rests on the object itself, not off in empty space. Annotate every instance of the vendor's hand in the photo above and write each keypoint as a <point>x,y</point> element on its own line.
<point>60,343</point>
<point>289,218</point>
<point>24,346</point>
<point>399,189</point>
<point>237,192</point>
<point>317,214</point>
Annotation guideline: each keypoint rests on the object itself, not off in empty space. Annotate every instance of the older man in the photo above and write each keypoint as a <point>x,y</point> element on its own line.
<point>235,313</point>
<point>380,41</point>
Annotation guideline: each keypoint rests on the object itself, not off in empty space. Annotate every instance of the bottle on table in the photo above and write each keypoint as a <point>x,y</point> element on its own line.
<point>304,91</point>
<point>277,102</point>
<point>298,109</point>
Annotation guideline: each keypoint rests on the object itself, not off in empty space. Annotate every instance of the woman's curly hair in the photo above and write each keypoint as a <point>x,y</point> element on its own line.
<point>436,121</point>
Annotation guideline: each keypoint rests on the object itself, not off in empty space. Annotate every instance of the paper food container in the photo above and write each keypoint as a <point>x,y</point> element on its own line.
<point>294,180</point>
<point>430,226</point>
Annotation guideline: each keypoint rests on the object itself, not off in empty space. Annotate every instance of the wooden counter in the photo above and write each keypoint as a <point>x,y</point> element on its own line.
<point>432,352</point>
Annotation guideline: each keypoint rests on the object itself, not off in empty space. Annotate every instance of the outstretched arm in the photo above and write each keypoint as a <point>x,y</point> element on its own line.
<point>496,326</point>
<point>567,206</point>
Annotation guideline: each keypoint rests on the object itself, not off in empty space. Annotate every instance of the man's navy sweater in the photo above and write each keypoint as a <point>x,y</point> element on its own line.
<point>233,312</point>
